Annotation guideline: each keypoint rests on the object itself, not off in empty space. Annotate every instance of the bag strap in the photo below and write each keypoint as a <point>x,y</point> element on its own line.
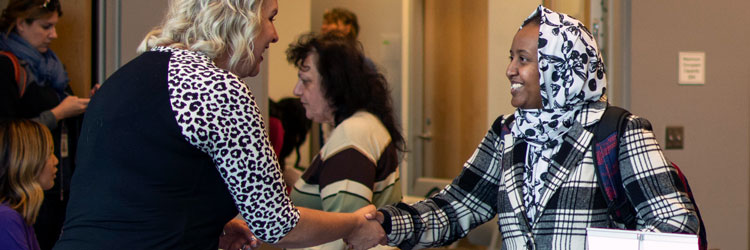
<point>686,188</point>
<point>19,73</point>
<point>501,126</point>
<point>609,129</point>
<point>606,154</point>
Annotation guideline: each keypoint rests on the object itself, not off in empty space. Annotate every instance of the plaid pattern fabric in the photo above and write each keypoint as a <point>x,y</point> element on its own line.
<point>492,181</point>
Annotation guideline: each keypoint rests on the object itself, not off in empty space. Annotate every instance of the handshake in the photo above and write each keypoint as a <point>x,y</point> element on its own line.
<point>361,230</point>
<point>369,233</point>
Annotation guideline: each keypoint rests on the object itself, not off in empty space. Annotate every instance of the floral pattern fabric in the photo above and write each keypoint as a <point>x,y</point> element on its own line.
<point>572,75</point>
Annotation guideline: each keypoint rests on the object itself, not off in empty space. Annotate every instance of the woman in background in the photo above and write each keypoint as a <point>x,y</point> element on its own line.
<point>358,164</point>
<point>34,85</point>
<point>27,167</point>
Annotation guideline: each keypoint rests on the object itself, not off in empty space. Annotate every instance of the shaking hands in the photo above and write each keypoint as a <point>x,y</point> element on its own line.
<point>369,233</point>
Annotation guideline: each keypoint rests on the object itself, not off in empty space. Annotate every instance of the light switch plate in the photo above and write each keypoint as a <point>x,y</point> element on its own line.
<point>675,137</point>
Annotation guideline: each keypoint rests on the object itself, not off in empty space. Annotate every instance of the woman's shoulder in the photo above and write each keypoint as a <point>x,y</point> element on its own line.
<point>13,230</point>
<point>195,66</point>
<point>502,124</point>
<point>361,123</point>
<point>363,131</point>
<point>188,58</point>
<point>7,65</point>
<point>637,123</point>
<point>10,217</point>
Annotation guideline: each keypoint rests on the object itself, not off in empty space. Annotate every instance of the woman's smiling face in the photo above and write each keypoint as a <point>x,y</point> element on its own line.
<point>523,69</point>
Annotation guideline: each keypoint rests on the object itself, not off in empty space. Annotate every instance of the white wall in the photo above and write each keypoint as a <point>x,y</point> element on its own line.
<point>293,19</point>
<point>715,116</point>
<point>137,18</point>
<point>379,32</point>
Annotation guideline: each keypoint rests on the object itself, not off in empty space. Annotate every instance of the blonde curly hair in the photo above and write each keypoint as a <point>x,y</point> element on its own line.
<point>213,27</point>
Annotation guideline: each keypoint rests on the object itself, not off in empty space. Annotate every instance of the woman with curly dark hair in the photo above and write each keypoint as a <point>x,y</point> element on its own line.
<point>358,165</point>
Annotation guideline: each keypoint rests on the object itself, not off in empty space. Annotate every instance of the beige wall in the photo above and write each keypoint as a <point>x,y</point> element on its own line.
<point>715,115</point>
<point>505,17</point>
<point>380,34</point>
<point>293,20</point>
<point>73,45</point>
<point>137,18</point>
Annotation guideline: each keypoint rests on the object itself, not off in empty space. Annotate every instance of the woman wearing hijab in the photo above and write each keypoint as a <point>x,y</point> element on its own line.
<point>540,177</point>
<point>34,85</point>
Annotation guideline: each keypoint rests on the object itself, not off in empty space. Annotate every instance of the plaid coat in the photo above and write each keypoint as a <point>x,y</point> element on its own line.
<point>492,180</point>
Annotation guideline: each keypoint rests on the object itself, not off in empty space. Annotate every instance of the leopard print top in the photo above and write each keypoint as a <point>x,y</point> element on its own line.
<point>218,114</point>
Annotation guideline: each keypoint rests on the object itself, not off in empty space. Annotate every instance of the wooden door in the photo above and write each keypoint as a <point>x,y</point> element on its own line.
<point>455,84</point>
<point>74,44</point>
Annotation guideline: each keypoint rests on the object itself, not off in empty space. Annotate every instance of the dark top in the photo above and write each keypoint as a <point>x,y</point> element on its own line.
<point>152,140</point>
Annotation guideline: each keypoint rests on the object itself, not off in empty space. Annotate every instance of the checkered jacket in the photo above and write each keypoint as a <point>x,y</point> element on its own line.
<point>492,180</point>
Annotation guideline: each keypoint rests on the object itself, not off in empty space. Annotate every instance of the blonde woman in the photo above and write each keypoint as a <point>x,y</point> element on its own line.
<point>27,167</point>
<point>173,144</point>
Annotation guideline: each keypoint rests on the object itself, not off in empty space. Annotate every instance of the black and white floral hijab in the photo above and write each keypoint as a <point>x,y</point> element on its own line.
<point>572,78</point>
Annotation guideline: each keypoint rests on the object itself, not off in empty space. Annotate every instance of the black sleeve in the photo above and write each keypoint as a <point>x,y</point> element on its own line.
<point>9,98</point>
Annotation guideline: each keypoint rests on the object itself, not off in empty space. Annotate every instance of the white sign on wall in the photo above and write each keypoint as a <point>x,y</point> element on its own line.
<point>692,68</point>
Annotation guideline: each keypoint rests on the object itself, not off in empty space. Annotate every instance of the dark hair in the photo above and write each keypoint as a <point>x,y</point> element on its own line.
<point>536,19</point>
<point>350,83</point>
<point>345,16</point>
<point>29,10</point>
<point>291,113</point>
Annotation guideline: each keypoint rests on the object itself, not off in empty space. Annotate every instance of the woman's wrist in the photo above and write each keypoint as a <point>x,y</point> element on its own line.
<point>57,113</point>
<point>47,118</point>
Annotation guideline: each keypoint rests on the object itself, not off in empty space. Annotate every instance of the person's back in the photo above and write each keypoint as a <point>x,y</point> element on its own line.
<point>140,184</point>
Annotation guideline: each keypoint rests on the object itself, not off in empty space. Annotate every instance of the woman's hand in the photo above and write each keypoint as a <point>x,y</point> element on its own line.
<point>369,233</point>
<point>94,89</point>
<point>69,107</point>
<point>237,236</point>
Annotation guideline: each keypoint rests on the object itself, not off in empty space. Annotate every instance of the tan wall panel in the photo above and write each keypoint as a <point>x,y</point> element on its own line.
<point>455,87</point>
<point>73,45</point>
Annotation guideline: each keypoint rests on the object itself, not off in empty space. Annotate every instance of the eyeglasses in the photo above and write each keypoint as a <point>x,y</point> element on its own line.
<point>50,5</point>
